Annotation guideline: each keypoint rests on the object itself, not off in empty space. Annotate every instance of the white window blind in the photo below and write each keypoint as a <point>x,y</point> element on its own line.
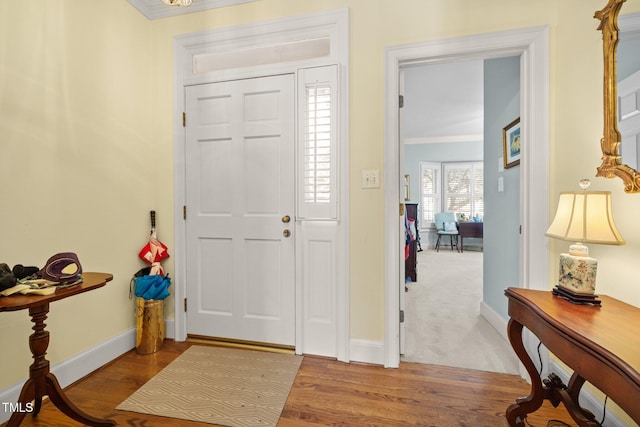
<point>317,149</point>
<point>464,189</point>
<point>430,192</point>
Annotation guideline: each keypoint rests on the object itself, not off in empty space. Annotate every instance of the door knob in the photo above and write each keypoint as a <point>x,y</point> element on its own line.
<point>286,233</point>
<point>286,219</point>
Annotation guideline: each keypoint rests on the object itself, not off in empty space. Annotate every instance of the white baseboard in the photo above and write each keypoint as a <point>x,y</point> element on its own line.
<point>366,351</point>
<point>170,329</point>
<point>498,322</point>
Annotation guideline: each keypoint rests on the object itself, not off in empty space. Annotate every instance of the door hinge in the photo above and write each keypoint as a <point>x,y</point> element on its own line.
<point>401,209</point>
<point>520,229</point>
<point>184,212</point>
<point>184,119</point>
<point>401,101</point>
<point>185,305</point>
<point>401,316</point>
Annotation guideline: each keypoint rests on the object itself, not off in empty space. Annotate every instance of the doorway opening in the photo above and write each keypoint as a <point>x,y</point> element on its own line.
<point>532,45</point>
<point>450,143</point>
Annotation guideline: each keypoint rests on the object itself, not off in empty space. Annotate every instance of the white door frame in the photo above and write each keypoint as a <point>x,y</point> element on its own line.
<point>532,44</point>
<point>317,39</point>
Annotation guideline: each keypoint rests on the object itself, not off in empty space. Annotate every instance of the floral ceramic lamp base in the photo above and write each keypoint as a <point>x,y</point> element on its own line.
<point>578,273</point>
<point>577,281</point>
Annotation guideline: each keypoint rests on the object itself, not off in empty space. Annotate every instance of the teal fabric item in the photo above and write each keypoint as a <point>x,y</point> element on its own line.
<point>152,287</point>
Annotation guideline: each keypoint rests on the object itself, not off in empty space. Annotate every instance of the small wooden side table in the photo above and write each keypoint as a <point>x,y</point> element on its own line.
<point>470,229</point>
<point>600,344</point>
<point>41,381</point>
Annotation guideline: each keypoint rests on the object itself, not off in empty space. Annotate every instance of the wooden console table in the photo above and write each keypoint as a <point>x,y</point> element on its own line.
<point>601,345</point>
<point>41,382</point>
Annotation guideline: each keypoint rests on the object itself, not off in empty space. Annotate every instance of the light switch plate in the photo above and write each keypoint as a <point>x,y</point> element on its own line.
<point>370,178</point>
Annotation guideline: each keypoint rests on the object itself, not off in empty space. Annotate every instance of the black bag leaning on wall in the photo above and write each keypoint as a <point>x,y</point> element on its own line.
<point>132,284</point>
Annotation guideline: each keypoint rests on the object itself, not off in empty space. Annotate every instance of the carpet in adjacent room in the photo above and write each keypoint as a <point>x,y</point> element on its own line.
<point>442,314</point>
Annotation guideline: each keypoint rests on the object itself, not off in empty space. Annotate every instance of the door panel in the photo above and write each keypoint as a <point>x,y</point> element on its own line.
<point>240,183</point>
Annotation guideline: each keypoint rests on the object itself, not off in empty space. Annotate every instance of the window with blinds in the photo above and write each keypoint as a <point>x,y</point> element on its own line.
<point>460,190</point>
<point>317,189</point>
<point>317,145</point>
<point>464,189</point>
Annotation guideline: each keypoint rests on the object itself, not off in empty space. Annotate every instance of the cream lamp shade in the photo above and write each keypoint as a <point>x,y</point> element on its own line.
<point>585,217</point>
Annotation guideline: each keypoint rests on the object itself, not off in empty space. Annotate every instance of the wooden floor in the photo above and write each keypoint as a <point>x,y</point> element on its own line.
<point>325,393</point>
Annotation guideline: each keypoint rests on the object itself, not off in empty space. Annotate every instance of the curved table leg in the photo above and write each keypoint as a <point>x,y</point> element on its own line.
<point>63,403</point>
<point>582,416</point>
<point>517,412</point>
<point>26,395</point>
<point>42,383</point>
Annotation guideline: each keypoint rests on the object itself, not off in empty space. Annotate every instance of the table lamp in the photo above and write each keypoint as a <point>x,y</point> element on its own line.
<point>582,217</point>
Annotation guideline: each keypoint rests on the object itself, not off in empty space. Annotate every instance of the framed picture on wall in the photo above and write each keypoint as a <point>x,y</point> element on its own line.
<point>511,144</point>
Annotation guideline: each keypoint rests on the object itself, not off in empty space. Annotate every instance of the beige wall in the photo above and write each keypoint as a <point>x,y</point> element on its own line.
<point>86,104</point>
<point>75,165</point>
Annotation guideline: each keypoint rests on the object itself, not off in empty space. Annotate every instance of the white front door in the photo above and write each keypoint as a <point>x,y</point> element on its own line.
<point>239,194</point>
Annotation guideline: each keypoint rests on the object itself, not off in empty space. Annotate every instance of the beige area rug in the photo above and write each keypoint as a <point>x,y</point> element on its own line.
<point>442,315</point>
<point>231,387</point>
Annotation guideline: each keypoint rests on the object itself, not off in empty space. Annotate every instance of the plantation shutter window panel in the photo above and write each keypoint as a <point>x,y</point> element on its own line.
<point>464,189</point>
<point>430,192</point>
<point>317,144</point>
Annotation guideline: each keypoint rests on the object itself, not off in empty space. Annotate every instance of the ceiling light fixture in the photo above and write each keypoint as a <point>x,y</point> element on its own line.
<point>178,2</point>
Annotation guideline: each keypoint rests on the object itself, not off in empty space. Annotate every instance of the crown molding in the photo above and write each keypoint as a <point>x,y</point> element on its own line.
<point>444,139</point>
<point>156,9</point>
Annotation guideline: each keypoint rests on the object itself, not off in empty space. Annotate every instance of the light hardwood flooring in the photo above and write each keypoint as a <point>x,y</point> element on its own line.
<point>325,393</point>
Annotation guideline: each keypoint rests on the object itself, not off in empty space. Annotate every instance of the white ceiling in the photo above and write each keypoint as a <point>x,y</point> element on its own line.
<point>444,102</point>
<point>154,9</point>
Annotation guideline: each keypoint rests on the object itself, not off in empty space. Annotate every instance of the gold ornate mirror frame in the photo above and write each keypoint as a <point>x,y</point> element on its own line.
<point>610,143</point>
